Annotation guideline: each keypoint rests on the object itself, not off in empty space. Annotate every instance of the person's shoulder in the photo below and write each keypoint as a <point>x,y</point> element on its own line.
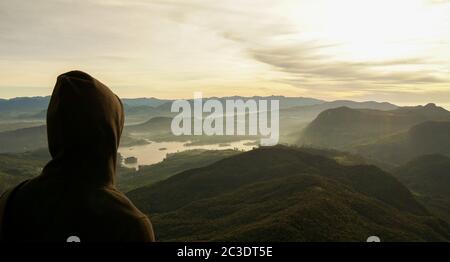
<point>126,214</point>
<point>115,201</point>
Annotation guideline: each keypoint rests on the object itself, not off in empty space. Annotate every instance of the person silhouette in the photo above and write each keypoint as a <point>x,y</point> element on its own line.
<point>74,197</point>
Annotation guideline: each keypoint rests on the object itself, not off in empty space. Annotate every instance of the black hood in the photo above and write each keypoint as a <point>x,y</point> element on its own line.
<point>75,194</point>
<point>84,123</point>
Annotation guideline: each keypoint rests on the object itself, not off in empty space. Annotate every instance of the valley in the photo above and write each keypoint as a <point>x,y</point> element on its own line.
<point>343,170</point>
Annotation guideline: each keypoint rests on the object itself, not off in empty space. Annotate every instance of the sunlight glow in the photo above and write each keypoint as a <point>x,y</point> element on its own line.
<point>373,30</point>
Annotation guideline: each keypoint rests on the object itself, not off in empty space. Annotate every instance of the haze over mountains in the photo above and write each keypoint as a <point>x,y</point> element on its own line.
<point>349,170</point>
<point>391,136</point>
<point>21,106</point>
<point>146,115</point>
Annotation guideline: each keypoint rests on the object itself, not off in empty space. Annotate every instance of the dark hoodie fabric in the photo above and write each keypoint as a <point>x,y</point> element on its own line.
<point>75,194</point>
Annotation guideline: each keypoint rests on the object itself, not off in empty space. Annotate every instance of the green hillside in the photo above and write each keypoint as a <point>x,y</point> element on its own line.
<point>25,139</point>
<point>343,127</point>
<point>428,177</point>
<point>14,168</point>
<point>431,137</point>
<point>174,163</point>
<point>156,125</point>
<point>285,194</point>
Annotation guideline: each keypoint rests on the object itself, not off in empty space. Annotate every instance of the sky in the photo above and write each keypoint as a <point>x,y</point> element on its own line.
<point>383,50</point>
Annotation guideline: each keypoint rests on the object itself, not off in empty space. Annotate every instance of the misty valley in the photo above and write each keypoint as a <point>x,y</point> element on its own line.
<point>342,170</point>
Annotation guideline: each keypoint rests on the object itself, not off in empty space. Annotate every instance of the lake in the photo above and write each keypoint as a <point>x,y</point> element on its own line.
<point>156,151</point>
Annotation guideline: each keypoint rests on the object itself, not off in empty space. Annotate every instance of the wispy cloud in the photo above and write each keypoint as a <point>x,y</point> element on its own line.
<point>303,61</point>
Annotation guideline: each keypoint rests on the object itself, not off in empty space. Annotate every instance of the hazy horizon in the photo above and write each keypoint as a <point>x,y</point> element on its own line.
<point>388,51</point>
<point>444,105</point>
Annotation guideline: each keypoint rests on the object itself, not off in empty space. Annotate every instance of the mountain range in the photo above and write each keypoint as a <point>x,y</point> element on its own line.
<point>285,194</point>
<point>391,136</point>
<point>150,118</point>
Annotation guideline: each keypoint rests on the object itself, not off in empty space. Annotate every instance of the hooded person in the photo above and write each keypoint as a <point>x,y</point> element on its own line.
<point>75,195</point>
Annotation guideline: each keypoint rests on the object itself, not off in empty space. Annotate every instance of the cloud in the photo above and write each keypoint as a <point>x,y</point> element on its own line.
<point>303,61</point>
<point>167,44</point>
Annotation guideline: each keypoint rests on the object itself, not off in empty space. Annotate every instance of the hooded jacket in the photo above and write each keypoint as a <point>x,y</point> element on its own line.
<point>75,194</point>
